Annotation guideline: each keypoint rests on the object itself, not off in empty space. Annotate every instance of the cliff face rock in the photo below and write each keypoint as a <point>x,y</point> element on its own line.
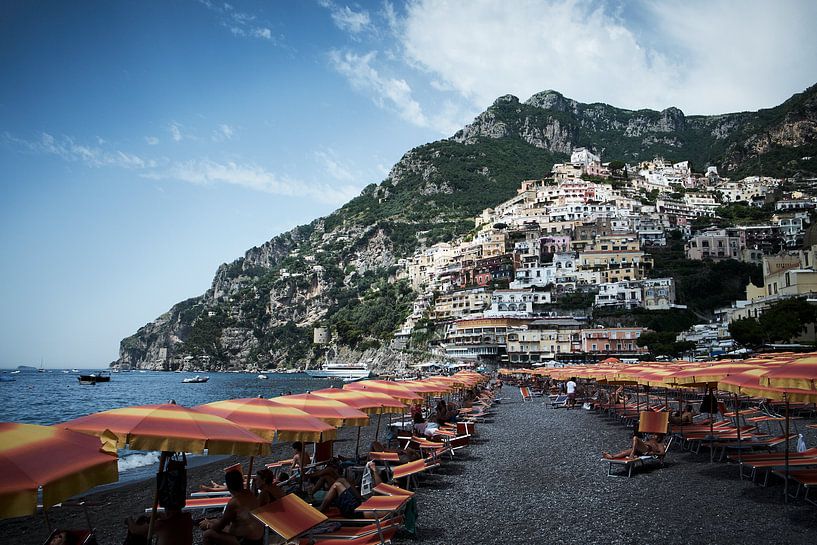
<point>339,272</point>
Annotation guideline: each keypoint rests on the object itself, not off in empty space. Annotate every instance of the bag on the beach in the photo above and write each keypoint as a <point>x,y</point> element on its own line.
<point>709,404</point>
<point>172,484</point>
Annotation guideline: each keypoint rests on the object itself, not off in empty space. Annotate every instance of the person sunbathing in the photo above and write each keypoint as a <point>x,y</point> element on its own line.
<point>640,447</point>
<point>343,496</point>
<point>269,488</point>
<point>236,526</point>
<point>62,538</point>
<point>301,458</point>
<point>173,527</point>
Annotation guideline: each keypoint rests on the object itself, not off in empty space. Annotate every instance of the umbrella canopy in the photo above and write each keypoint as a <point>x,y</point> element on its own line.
<point>428,387</point>
<point>709,376</point>
<point>393,389</point>
<point>63,462</point>
<point>800,373</point>
<point>331,411</point>
<point>265,418</point>
<point>364,400</point>
<point>750,383</point>
<point>171,428</point>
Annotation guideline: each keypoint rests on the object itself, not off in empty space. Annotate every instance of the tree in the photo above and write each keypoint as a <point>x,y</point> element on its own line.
<point>787,319</point>
<point>781,322</point>
<point>747,332</point>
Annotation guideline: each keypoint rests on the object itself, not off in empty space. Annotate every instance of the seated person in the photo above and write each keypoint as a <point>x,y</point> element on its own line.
<point>682,418</point>
<point>405,454</point>
<point>301,459</point>
<point>323,478</point>
<point>640,447</point>
<point>269,488</point>
<point>343,496</point>
<point>172,527</point>
<point>236,526</point>
<point>62,538</point>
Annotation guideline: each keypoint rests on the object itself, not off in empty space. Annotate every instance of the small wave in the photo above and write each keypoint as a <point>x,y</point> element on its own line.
<point>131,461</point>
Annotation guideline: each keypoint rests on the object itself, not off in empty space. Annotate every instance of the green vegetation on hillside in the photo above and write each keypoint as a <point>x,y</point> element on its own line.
<point>781,322</point>
<point>703,285</point>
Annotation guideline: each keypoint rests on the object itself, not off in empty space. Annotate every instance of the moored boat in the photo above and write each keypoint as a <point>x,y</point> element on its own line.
<point>340,370</point>
<point>93,378</point>
<point>195,380</point>
<point>263,376</point>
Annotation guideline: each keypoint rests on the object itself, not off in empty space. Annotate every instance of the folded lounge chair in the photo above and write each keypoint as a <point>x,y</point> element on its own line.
<point>298,522</point>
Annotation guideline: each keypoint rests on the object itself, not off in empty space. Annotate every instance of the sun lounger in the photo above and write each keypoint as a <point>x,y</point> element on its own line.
<point>80,537</point>
<point>391,490</point>
<point>217,503</point>
<point>293,519</point>
<point>409,471</point>
<point>769,465</point>
<point>525,393</point>
<point>558,402</point>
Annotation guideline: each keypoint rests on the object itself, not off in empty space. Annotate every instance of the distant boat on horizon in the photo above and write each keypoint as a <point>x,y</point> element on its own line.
<point>94,378</point>
<point>195,380</point>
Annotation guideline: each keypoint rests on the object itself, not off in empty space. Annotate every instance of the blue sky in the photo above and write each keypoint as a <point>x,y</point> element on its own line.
<point>145,143</point>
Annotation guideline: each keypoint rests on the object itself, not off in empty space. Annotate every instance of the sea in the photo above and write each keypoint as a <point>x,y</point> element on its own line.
<point>55,396</point>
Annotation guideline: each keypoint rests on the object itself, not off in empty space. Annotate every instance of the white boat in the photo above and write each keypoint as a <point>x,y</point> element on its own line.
<point>263,376</point>
<point>195,380</point>
<point>340,370</point>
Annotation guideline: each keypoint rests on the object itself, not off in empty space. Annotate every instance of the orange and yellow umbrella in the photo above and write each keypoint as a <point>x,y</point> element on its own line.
<point>364,400</point>
<point>428,387</point>
<point>265,418</point>
<point>709,376</point>
<point>750,383</point>
<point>171,428</point>
<point>62,462</point>
<point>800,373</point>
<point>392,389</point>
<point>331,411</point>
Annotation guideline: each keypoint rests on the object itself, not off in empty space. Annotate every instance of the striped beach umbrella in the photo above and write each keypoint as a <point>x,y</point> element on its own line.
<point>62,462</point>
<point>390,388</point>
<point>426,387</point>
<point>799,373</point>
<point>268,419</point>
<point>364,400</point>
<point>171,428</point>
<point>332,411</point>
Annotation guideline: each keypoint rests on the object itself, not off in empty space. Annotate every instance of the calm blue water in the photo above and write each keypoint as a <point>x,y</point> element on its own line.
<point>56,396</point>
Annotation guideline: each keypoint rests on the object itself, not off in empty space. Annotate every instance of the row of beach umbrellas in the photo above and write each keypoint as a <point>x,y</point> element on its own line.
<point>66,459</point>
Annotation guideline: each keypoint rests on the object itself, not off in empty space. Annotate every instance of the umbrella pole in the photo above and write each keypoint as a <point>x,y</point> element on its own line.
<point>162,461</point>
<point>47,520</point>
<point>786,483</point>
<point>711,426</point>
<point>377,429</point>
<point>249,471</point>
<point>357,444</point>
<point>737,423</point>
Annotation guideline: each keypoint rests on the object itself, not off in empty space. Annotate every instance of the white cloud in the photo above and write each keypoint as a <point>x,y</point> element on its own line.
<point>250,176</point>
<point>392,93</point>
<point>238,22</point>
<point>347,19</point>
<point>151,140</point>
<point>334,166</point>
<point>175,132</point>
<point>223,132</point>
<point>69,149</point>
<point>703,56</point>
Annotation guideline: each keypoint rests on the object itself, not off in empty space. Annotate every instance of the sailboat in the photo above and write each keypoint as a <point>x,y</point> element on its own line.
<point>42,368</point>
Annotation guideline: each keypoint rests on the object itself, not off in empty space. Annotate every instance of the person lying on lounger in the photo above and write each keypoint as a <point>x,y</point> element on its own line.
<point>268,486</point>
<point>62,538</point>
<point>640,447</point>
<point>343,496</point>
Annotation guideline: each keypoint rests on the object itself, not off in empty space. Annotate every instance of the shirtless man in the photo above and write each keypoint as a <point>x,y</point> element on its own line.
<point>237,526</point>
<point>654,446</point>
<point>301,458</point>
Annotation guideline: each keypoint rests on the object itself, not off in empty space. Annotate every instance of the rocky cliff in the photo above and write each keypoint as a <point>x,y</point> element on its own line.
<point>339,272</point>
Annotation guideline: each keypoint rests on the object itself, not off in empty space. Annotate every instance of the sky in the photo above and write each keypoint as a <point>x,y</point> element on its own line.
<point>143,143</point>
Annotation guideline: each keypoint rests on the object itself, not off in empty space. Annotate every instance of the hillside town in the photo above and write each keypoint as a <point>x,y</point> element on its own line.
<point>522,287</point>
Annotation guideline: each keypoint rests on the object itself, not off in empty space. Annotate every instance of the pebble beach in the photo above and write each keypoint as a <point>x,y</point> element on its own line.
<point>533,475</point>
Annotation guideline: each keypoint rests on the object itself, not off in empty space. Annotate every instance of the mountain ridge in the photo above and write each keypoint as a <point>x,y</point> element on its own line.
<point>339,271</point>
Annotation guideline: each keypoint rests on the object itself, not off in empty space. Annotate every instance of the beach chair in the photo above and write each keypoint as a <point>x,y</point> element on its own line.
<point>298,522</point>
<point>204,504</point>
<point>558,401</point>
<point>649,422</point>
<point>80,537</point>
<point>524,391</point>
